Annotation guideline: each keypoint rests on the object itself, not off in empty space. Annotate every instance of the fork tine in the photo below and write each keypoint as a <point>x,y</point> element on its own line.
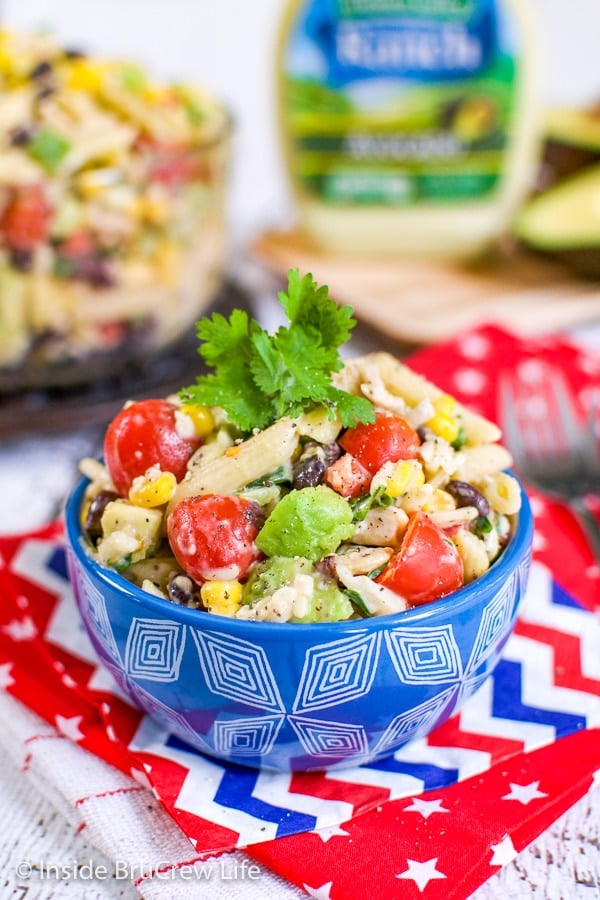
<point>529,418</point>
<point>509,420</point>
<point>590,439</point>
<point>572,431</point>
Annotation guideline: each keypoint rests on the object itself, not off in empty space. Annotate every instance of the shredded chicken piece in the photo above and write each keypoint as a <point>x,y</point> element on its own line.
<point>378,599</point>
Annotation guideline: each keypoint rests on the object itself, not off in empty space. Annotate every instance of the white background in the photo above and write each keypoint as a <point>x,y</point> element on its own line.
<point>228,46</point>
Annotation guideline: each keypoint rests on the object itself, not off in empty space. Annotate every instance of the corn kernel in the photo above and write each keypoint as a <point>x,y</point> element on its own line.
<point>444,426</point>
<point>201,416</point>
<point>94,182</point>
<point>222,597</point>
<point>407,474</point>
<point>154,491</point>
<point>442,422</point>
<point>439,501</point>
<point>85,76</point>
<point>400,479</point>
<point>155,207</point>
<point>445,404</point>
<point>156,94</point>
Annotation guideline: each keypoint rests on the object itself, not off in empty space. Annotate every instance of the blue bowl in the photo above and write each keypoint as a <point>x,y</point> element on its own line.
<point>289,697</point>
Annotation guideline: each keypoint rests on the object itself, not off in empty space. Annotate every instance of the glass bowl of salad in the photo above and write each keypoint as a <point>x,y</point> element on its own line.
<point>299,565</point>
<point>113,233</point>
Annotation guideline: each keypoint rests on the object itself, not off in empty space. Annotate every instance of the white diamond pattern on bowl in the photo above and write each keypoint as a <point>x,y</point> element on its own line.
<point>425,655</point>
<point>337,672</point>
<point>154,649</point>
<point>248,736</point>
<point>420,718</point>
<point>469,686</point>
<point>495,621</point>
<point>96,609</point>
<point>166,714</point>
<point>238,670</point>
<point>331,739</point>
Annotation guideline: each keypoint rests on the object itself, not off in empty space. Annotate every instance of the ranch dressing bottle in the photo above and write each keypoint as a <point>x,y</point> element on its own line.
<point>408,126</point>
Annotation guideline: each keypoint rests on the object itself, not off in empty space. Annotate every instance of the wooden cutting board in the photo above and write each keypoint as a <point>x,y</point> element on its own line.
<point>421,302</point>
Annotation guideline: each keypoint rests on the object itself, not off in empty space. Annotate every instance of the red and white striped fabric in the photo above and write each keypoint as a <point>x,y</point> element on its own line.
<point>524,748</point>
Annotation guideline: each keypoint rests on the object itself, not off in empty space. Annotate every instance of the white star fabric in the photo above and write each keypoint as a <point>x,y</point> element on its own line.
<point>504,852</point>
<point>421,872</point>
<point>426,807</point>
<point>6,679</point>
<point>21,629</point>
<point>69,727</point>
<point>320,893</point>
<point>474,346</point>
<point>524,793</point>
<point>333,831</point>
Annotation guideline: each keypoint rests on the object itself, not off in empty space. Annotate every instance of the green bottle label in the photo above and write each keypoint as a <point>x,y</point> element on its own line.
<point>399,102</point>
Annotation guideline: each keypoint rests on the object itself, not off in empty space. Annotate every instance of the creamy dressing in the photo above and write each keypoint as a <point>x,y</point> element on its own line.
<point>408,126</point>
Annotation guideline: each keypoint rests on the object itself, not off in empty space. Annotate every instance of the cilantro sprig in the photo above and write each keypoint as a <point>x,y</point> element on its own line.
<point>259,377</point>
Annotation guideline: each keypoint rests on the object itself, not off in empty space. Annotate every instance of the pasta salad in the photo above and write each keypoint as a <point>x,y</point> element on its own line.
<point>382,494</point>
<point>111,203</point>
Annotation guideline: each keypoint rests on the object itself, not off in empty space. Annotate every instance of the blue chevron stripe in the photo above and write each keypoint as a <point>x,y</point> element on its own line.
<point>57,562</point>
<point>508,686</point>
<point>562,598</point>
<point>235,791</point>
<point>432,776</point>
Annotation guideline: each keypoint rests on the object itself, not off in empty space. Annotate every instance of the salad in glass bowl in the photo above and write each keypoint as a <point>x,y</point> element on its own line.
<point>289,485</point>
<point>112,224</point>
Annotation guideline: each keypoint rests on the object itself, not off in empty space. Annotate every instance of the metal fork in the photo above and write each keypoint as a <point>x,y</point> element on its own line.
<point>553,449</point>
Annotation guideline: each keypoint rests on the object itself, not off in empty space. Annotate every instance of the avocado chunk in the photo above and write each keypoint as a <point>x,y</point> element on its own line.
<point>572,141</point>
<point>575,127</point>
<point>564,222</point>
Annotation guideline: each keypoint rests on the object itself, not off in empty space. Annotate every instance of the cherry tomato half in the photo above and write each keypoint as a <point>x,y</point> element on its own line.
<point>25,221</point>
<point>387,438</point>
<point>145,434</point>
<point>427,565</point>
<point>212,536</point>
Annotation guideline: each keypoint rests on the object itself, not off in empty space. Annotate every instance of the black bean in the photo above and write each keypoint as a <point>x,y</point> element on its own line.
<point>92,526</point>
<point>42,70</point>
<point>95,270</point>
<point>467,495</point>
<point>309,472</point>
<point>425,433</point>
<point>184,592</point>
<point>331,452</point>
<point>21,260</point>
<point>20,137</point>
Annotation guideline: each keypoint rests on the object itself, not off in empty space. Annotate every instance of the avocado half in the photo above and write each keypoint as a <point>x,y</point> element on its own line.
<point>572,140</point>
<point>564,222</point>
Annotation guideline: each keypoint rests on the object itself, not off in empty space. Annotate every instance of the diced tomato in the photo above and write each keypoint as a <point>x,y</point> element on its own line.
<point>388,438</point>
<point>25,220</point>
<point>213,536</point>
<point>172,166</point>
<point>112,333</point>
<point>78,244</point>
<point>346,476</point>
<point>145,434</point>
<point>427,565</point>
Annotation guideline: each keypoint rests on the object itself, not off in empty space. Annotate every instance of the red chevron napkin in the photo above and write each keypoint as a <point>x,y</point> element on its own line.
<point>492,781</point>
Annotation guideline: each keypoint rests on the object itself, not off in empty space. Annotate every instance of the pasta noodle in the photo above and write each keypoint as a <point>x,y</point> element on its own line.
<point>401,381</point>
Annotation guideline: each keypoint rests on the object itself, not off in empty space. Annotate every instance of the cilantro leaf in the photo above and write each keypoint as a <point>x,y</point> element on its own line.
<point>259,377</point>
